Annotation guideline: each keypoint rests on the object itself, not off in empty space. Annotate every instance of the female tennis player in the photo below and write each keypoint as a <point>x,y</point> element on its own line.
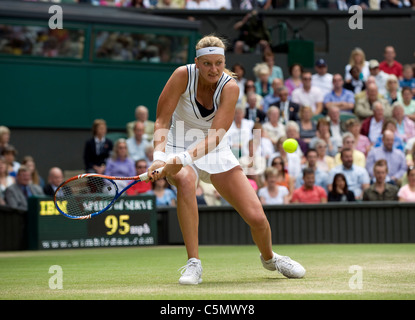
<point>194,112</point>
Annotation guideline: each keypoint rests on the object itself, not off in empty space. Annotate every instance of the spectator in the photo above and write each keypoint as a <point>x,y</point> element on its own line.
<point>355,84</point>
<point>6,180</point>
<point>364,107</point>
<point>405,126</point>
<point>380,190</point>
<point>407,192</point>
<point>292,130</point>
<point>323,133</point>
<point>357,59</point>
<point>240,132</point>
<point>363,93</point>
<point>9,153</point>
<point>164,195</point>
<point>141,186</point>
<point>320,175</point>
<point>349,142</point>
<point>199,5</point>
<point>120,164</point>
<point>380,77</point>
<point>55,178</point>
<point>283,178</point>
<point>390,124</point>
<point>263,82</point>
<point>308,95</point>
<point>322,79</point>
<point>239,71</point>
<point>252,112</point>
<point>4,137</point>
<point>17,195</point>
<point>170,4</point>
<point>324,161</point>
<point>276,72</point>
<point>389,65</point>
<point>294,81</point>
<point>357,177</point>
<point>256,162</point>
<point>137,144</point>
<point>408,79</point>
<point>372,126</point>
<point>309,192</point>
<point>307,126</point>
<point>339,96</point>
<point>362,142</point>
<point>408,103</point>
<point>272,98</point>
<point>394,157</point>
<point>141,114</point>
<point>273,193</point>
<point>274,127</point>
<point>250,87</point>
<point>288,109</point>
<point>393,92</point>
<point>340,191</point>
<point>29,162</point>
<point>336,125</point>
<point>97,149</point>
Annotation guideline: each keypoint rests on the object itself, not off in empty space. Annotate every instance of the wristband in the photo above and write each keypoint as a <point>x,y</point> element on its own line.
<point>185,158</point>
<point>159,156</point>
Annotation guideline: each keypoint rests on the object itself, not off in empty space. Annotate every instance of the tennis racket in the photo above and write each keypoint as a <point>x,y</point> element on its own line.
<point>87,195</point>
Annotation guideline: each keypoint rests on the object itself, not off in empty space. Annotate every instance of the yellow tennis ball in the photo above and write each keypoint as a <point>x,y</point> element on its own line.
<point>290,145</point>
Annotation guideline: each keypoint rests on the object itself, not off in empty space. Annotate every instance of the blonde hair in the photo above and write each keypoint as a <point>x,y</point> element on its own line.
<point>357,51</point>
<point>270,172</point>
<point>261,68</point>
<point>214,41</point>
<point>114,155</point>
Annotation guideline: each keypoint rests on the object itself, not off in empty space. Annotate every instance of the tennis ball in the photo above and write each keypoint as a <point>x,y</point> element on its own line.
<point>290,145</point>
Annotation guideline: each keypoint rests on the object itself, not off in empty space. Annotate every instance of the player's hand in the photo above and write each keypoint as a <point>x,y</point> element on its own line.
<point>153,174</point>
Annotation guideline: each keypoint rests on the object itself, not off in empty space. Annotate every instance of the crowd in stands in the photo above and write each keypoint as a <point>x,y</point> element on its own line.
<point>356,134</point>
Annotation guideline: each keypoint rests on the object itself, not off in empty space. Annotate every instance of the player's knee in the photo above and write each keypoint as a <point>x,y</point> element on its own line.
<point>185,181</point>
<point>258,221</point>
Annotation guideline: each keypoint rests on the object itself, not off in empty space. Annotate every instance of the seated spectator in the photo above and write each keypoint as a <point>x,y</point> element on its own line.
<point>292,161</point>
<point>320,175</point>
<point>283,178</point>
<point>349,142</point>
<point>274,127</point>
<point>364,107</point>
<point>272,98</point>
<point>199,5</point>
<point>97,149</point>
<point>309,192</point>
<point>389,65</point>
<point>4,137</point>
<point>408,79</point>
<point>324,161</point>
<point>273,193</point>
<point>254,163</point>
<point>362,142</point>
<point>357,177</point>
<point>407,192</point>
<point>395,158</point>
<point>288,109</point>
<point>55,178</point>
<point>357,59</point>
<point>292,130</point>
<point>9,153</point>
<point>263,146</point>
<point>250,87</point>
<point>339,96</point>
<point>141,186</point>
<point>17,195</point>
<point>276,72</point>
<point>323,133</point>
<point>263,83</point>
<point>390,124</point>
<point>307,126</point>
<point>240,132</point>
<point>355,84</point>
<point>408,103</point>
<point>380,190</point>
<point>380,77</point>
<point>120,164</point>
<point>137,144</point>
<point>211,196</point>
<point>6,180</point>
<point>308,95</point>
<point>322,79</point>
<point>393,91</point>
<point>340,191</point>
<point>336,124</point>
<point>372,126</point>
<point>141,114</point>
<point>29,162</point>
<point>251,111</point>
<point>164,195</point>
<point>239,71</point>
<point>294,81</point>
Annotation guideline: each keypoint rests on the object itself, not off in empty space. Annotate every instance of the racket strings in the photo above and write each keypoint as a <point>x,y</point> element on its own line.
<point>84,196</point>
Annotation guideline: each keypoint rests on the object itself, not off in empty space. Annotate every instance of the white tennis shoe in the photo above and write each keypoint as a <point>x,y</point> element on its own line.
<point>284,265</point>
<point>191,272</point>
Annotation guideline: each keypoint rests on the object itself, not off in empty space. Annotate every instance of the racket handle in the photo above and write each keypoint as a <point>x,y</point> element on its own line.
<point>144,176</point>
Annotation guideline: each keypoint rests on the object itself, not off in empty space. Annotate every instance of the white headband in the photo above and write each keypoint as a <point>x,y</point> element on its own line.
<point>209,50</point>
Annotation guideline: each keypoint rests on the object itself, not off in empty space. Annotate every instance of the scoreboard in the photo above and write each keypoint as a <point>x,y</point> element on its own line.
<point>132,221</point>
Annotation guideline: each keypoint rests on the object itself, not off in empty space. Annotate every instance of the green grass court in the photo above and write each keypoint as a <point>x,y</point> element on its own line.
<point>230,272</point>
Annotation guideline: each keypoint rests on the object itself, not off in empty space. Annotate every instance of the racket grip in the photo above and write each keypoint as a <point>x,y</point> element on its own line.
<point>144,176</point>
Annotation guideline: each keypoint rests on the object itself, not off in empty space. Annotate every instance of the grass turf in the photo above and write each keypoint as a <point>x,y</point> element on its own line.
<point>230,272</point>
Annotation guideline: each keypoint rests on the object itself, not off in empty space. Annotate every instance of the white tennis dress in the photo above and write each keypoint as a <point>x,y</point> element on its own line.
<point>190,125</point>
